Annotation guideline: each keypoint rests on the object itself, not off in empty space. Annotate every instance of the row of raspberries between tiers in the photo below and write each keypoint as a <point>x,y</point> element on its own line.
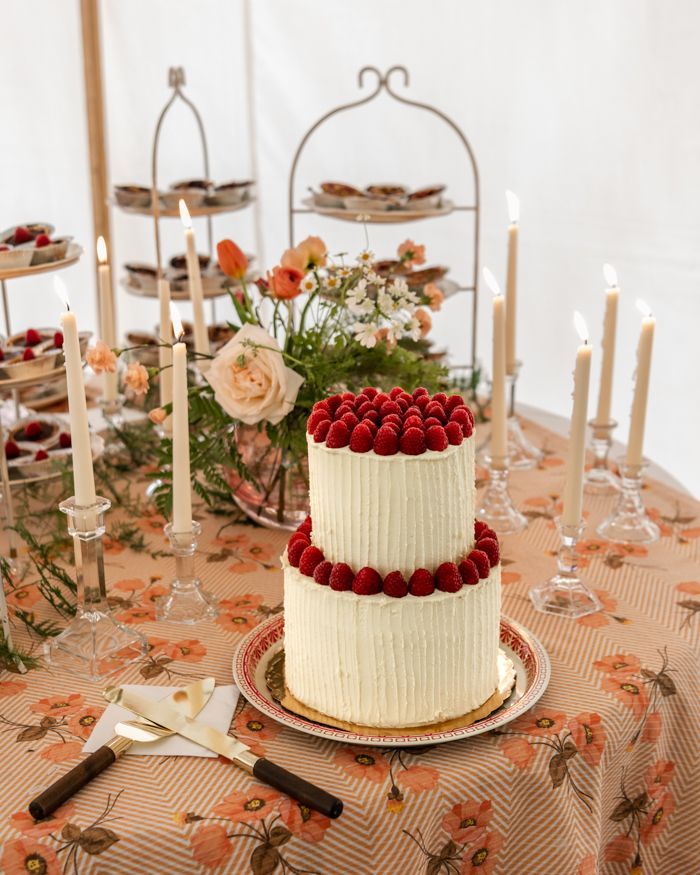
<point>449,577</point>
<point>391,423</point>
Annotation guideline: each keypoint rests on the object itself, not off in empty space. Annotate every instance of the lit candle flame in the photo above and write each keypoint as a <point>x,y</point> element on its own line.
<point>178,330</point>
<point>185,214</point>
<point>610,275</point>
<point>643,307</point>
<point>513,202</point>
<point>581,327</point>
<point>101,250</point>
<point>61,291</point>
<point>491,281</point>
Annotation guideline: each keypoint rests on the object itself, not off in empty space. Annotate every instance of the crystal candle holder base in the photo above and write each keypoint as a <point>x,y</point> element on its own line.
<point>565,594</point>
<point>496,507</point>
<point>629,522</point>
<point>599,479</point>
<point>186,602</point>
<point>94,644</point>
<point>522,454</point>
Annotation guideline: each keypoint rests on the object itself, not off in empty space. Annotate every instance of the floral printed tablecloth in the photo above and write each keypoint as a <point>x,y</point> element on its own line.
<point>601,777</point>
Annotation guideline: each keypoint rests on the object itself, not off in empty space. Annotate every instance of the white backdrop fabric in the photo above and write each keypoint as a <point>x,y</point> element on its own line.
<point>588,111</point>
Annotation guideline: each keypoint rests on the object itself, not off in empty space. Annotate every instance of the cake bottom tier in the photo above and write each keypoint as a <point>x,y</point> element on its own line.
<point>387,662</point>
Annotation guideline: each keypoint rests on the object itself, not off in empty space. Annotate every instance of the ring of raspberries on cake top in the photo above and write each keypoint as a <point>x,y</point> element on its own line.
<point>391,423</point>
<point>447,577</point>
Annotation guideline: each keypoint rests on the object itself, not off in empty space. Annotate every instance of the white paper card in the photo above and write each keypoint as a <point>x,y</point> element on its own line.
<point>217,713</point>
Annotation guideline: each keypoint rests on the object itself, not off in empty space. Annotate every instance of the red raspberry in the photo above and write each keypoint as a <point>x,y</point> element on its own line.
<point>488,533</point>
<point>373,415</point>
<point>310,558</point>
<point>412,410</point>
<point>348,397</point>
<point>453,430</point>
<point>372,426</point>
<point>316,417</point>
<point>394,427</point>
<point>389,407</point>
<point>364,408</point>
<point>32,430</point>
<point>491,548</point>
<point>295,550</point>
<point>392,417</point>
<point>404,396</point>
<point>361,399</point>
<point>421,582</point>
<point>28,355</point>
<point>58,339</point>
<point>321,432</point>
<point>395,585</point>
<point>350,420</point>
<point>482,562</point>
<point>40,455</point>
<point>404,404</point>
<point>436,439</point>
<point>386,442</point>
<point>334,402</point>
<point>439,398</point>
<point>361,439</point>
<point>322,572</point>
<point>11,450</point>
<point>2,354</point>
<point>22,235</point>
<point>395,392</point>
<point>452,402</point>
<point>412,442</point>
<point>448,577</point>
<point>321,405</point>
<point>379,399</point>
<point>305,527</point>
<point>340,412</point>
<point>422,402</point>
<point>431,421</point>
<point>341,577</point>
<point>32,337</point>
<point>463,416</point>
<point>469,572</point>
<point>367,581</point>
<point>298,536</point>
<point>338,436</point>
<point>42,240</point>
<point>436,410</point>
<point>420,391</point>
<point>413,422</point>
<point>64,440</point>
<point>479,528</point>
<point>370,392</point>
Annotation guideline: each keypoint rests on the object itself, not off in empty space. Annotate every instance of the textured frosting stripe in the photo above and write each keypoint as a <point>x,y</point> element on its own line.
<point>381,661</point>
<point>393,513</point>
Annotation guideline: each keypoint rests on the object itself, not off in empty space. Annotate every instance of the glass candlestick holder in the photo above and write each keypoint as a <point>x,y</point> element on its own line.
<point>112,413</point>
<point>629,522</point>
<point>155,484</point>
<point>522,454</point>
<point>599,479</point>
<point>93,644</point>
<point>565,594</point>
<point>186,602</point>
<point>496,508</point>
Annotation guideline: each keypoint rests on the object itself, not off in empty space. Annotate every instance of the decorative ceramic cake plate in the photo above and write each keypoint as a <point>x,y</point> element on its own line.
<point>517,647</point>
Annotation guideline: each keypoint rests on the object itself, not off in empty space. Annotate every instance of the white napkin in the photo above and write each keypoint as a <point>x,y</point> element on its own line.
<point>217,713</point>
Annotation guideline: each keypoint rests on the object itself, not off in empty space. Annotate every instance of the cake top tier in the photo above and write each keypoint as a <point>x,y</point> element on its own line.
<point>387,424</point>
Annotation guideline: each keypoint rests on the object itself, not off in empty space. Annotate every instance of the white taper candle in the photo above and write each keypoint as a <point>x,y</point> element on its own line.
<point>201,337</point>
<point>573,489</point>
<point>635,443</point>
<point>182,486</point>
<point>107,322</point>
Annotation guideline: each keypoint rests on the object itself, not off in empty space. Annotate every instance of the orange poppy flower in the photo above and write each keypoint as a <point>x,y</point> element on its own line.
<point>285,282</point>
<point>511,577</point>
<point>112,545</point>
<point>62,751</point>
<point>465,822</point>
<point>690,586</point>
<point>256,804</point>
<point>619,663</point>
<point>691,533</point>
<point>256,550</point>
<point>243,567</point>
<point>304,822</point>
<point>242,603</point>
<point>620,849</point>
<point>652,727</point>
<point>23,598</point>
<point>232,260</point>
<point>418,778</point>
<point>23,822</point>
<point>187,651</point>
<point>313,252</point>
<point>130,584</point>
<point>210,845</point>
<point>588,865</point>
<point>57,706</point>
<point>540,722</point>
<point>518,750</point>
<point>599,619</point>
<point>655,514</point>
<point>239,623</point>
<point>29,857</point>
<point>480,858</point>
<point>11,687</point>
<point>153,593</point>
<point>588,734</point>
<point>592,547</point>
<point>657,817</point>
<point>236,540</point>
<point>658,776</point>
<point>82,723</point>
<point>137,614</point>
<point>629,550</point>
<point>156,645</point>
<point>360,762</point>
<point>253,728</point>
<point>628,690</point>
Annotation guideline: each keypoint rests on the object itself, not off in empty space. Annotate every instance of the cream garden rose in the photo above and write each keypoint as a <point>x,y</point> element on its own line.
<point>250,379</point>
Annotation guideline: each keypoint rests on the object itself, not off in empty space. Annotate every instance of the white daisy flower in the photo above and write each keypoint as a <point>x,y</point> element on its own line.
<point>365,334</point>
<point>360,306</point>
<point>344,272</point>
<point>412,328</point>
<point>386,303</point>
<point>309,283</point>
<point>332,282</point>
<point>365,257</point>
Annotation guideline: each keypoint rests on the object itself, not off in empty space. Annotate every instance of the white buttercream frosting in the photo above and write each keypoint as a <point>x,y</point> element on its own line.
<point>388,662</point>
<point>393,513</point>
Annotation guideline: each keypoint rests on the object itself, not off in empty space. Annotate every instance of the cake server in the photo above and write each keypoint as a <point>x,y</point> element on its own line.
<point>227,746</point>
<point>187,700</point>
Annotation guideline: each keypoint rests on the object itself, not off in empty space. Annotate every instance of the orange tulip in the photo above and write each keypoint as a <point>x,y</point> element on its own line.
<point>293,258</point>
<point>285,282</point>
<point>231,260</point>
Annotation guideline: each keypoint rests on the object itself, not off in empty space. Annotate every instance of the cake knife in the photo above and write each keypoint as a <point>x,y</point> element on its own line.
<point>227,746</point>
<point>187,700</point>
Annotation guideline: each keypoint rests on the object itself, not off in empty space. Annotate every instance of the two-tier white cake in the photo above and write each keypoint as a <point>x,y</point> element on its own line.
<point>391,598</point>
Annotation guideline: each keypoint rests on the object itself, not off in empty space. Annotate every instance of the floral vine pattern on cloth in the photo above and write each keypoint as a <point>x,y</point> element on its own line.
<point>32,854</point>
<point>582,736</point>
<point>248,555</point>
<point>243,613</point>
<point>691,606</point>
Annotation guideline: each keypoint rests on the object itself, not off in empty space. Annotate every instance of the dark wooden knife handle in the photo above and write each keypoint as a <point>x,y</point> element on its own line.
<point>297,788</point>
<point>68,784</point>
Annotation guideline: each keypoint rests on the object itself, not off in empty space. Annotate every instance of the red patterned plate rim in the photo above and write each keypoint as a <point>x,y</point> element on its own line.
<point>532,676</point>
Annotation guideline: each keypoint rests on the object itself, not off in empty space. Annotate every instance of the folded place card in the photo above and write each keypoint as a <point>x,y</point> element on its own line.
<point>217,713</point>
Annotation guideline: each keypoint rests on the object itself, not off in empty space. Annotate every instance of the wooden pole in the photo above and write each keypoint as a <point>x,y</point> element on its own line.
<point>94,104</point>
